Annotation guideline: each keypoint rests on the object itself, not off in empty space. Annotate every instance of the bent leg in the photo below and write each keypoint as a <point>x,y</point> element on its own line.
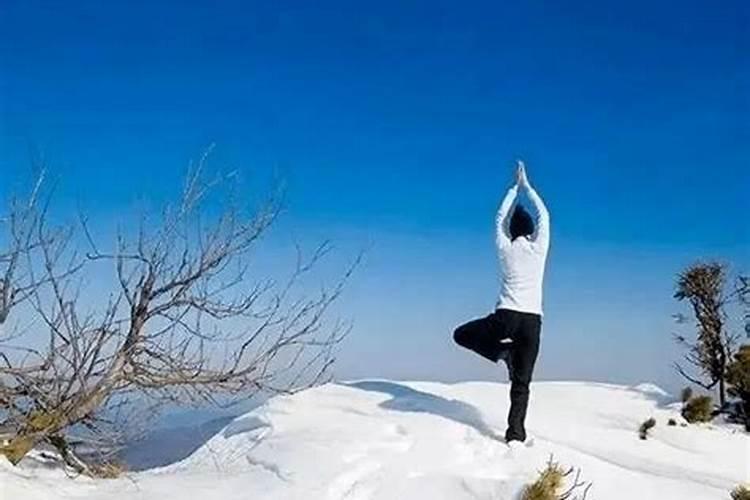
<point>482,337</point>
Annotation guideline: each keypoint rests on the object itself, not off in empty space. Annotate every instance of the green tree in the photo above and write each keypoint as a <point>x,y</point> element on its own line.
<point>738,378</point>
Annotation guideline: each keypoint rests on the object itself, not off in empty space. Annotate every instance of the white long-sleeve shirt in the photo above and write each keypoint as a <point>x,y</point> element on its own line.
<point>522,260</point>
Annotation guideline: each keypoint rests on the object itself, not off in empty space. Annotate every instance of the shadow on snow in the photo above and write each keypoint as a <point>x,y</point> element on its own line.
<point>406,399</point>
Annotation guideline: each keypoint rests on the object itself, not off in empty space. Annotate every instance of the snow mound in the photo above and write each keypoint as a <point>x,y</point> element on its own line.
<point>647,388</point>
<point>385,440</point>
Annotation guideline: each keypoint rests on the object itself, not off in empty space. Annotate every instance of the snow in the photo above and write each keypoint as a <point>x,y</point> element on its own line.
<point>384,440</point>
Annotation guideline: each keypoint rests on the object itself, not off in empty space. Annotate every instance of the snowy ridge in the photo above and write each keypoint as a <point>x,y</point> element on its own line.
<point>384,440</point>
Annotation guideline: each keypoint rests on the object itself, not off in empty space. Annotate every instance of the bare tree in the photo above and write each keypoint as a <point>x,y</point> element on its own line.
<point>743,293</point>
<point>21,238</point>
<point>184,323</point>
<point>703,286</point>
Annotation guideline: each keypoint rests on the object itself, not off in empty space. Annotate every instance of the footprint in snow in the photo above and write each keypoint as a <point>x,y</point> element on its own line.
<point>353,484</point>
<point>396,440</point>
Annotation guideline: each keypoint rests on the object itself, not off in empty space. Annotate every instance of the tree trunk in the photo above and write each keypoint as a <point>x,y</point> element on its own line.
<point>44,425</point>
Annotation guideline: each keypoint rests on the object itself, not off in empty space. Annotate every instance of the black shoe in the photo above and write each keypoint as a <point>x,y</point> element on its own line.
<point>509,440</point>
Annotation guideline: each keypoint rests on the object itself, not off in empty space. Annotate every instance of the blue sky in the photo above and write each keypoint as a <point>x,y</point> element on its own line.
<point>395,125</point>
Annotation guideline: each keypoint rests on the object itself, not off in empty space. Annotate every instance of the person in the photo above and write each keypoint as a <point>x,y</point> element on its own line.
<point>512,332</point>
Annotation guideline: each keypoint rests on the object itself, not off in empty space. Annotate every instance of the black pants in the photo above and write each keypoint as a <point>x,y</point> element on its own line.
<point>513,336</point>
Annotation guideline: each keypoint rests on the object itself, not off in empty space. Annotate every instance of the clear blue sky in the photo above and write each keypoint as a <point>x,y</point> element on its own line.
<point>396,125</point>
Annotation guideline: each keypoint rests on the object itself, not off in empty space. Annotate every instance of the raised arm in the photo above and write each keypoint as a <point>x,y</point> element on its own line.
<point>503,217</point>
<point>541,231</point>
<point>540,238</point>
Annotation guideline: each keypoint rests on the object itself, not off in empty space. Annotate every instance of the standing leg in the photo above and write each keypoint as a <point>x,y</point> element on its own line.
<point>523,358</point>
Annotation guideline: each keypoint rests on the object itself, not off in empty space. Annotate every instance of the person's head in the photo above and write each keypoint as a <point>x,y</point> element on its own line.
<point>521,223</point>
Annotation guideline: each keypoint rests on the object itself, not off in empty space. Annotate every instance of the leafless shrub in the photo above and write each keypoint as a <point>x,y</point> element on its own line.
<point>645,427</point>
<point>550,485</point>
<point>741,492</point>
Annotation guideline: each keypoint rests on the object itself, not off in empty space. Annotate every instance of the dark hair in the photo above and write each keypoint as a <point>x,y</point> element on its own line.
<point>521,223</point>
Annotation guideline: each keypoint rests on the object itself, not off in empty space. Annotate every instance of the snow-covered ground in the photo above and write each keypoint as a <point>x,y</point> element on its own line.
<point>383,440</point>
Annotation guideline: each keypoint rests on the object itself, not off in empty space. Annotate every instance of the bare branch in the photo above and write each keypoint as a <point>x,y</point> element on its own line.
<point>187,320</point>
